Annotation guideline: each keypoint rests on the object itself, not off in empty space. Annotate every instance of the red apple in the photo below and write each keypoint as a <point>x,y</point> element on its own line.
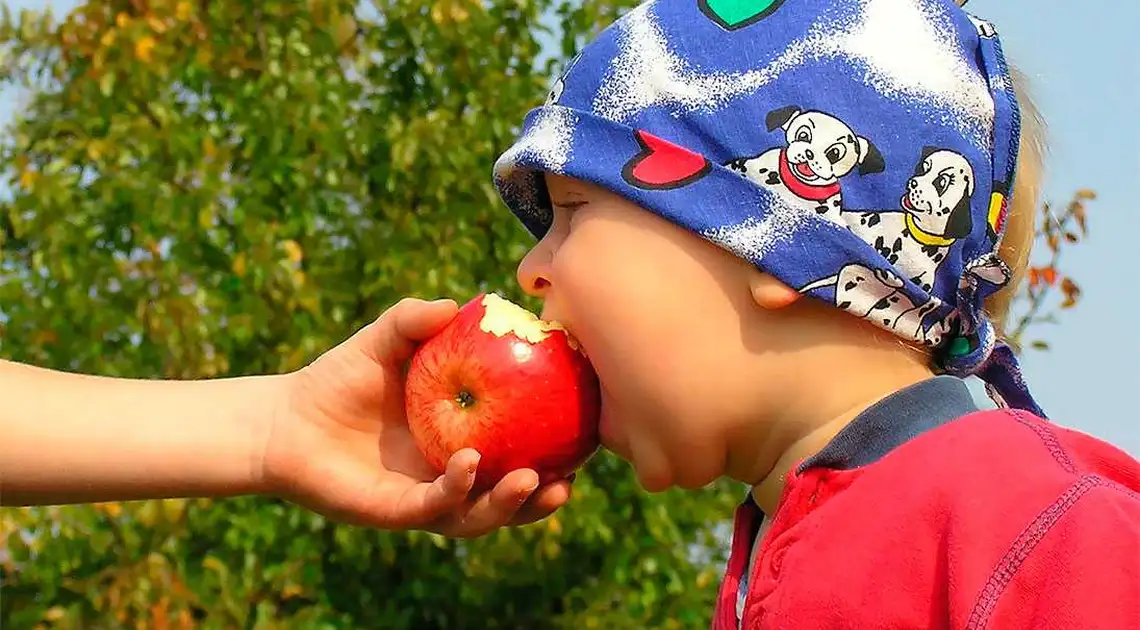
<point>518,389</point>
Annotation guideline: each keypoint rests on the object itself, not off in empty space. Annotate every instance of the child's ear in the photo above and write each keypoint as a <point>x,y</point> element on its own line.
<point>771,294</point>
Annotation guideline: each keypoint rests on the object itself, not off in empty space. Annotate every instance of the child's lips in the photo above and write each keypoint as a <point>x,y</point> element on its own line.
<point>605,427</point>
<point>607,432</point>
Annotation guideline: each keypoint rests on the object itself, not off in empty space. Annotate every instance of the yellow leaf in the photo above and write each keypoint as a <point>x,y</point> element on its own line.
<point>213,564</point>
<point>147,515</point>
<point>173,508</point>
<point>291,590</point>
<point>437,14</point>
<point>239,265</point>
<point>55,613</point>
<point>110,509</point>
<point>107,39</point>
<point>144,48</point>
<point>209,148</point>
<point>293,251</point>
<point>122,20</point>
<point>156,24</point>
<point>183,10</point>
<point>28,178</point>
<point>94,150</point>
<point>554,525</point>
<point>206,217</point>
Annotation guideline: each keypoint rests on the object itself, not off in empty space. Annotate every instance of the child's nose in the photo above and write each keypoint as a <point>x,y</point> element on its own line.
<point>534,272</point>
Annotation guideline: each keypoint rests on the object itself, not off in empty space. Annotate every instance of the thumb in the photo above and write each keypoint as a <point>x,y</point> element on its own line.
<point>393,337</point>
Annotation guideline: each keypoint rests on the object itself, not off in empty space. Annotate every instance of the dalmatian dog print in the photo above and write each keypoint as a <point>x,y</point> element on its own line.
<point>934,212</point>
<point>818,151</point>
<point>554,95</point>
<point>877,295</point>
<point>556,90</point>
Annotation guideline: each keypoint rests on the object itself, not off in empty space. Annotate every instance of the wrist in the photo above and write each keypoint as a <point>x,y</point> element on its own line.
<point>269,409</point>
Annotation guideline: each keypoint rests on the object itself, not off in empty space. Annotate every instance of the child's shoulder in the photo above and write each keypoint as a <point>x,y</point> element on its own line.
<point>1014,465</point>
<point>1019,444</point>
<point>1013,520</point>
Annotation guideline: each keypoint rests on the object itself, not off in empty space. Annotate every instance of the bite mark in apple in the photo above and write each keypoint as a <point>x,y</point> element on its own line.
<point>503,316</point>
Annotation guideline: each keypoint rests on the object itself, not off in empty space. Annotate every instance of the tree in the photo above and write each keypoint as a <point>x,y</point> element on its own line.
<point>1048,290</point>
<point>205,189</point>
<point>208,189</point>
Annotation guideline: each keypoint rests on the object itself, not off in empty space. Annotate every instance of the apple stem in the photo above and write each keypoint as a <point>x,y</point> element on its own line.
<point>465,399</point>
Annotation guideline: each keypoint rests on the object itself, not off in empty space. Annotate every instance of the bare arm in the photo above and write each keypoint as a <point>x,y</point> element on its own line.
<point>69,438</point>
<point>332,437</point>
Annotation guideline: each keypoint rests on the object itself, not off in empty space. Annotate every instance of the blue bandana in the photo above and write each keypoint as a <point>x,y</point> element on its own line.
<point>858,150</point>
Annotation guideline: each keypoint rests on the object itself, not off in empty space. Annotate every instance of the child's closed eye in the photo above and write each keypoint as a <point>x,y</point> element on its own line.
<point>569,205</point>
<point>567,208</point>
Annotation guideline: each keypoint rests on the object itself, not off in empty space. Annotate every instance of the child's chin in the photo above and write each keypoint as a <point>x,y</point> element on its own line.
<point>654,481</point>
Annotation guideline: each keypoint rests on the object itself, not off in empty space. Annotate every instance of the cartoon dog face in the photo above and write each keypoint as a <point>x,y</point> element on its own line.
<point>938,195</point>
<point>555,92</point>
<point>985,29</point>
<point>821,148</point>
<point>559,86</point>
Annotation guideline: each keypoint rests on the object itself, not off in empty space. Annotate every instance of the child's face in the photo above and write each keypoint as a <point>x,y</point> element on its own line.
<point>667,319</point>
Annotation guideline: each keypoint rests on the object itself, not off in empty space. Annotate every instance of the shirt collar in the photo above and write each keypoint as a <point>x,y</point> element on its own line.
<point>893,421</point>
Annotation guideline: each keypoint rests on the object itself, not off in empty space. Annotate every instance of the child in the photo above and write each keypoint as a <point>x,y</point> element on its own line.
<point>702,167</point>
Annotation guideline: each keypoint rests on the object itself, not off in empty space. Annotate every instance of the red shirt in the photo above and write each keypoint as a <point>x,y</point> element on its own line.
<point>927,513</point>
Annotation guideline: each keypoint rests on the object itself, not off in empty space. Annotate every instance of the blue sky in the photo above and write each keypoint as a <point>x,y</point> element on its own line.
<point>1082,62</point>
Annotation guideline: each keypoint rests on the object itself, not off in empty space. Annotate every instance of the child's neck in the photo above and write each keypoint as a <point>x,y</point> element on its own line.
<point>825,414</point>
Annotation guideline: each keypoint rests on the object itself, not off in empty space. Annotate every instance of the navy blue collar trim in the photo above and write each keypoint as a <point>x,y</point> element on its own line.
<point>893,421</point>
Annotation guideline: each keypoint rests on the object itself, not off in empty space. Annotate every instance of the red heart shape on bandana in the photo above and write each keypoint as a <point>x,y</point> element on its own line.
<point>662,165</point>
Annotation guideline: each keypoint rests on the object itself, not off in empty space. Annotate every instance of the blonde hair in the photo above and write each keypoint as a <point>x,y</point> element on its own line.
<point>1021,218</point>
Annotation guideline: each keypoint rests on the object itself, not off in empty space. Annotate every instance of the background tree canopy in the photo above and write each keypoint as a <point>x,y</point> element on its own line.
<point>205,189</point>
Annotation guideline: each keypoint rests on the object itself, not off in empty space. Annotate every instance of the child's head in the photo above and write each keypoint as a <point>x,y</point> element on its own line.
<point>702,166</point>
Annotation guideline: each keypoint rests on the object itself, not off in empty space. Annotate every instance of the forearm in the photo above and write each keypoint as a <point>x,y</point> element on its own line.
<point>68,438</point>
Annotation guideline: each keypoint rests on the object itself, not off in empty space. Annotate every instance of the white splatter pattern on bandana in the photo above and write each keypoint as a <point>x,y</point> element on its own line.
<point>549,140</point>
<point>753,238</point>
<point>903,49</point>
<point>907,52</point>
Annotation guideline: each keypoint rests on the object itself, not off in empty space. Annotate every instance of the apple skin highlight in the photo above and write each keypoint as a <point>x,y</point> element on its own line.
<point>516,388</point>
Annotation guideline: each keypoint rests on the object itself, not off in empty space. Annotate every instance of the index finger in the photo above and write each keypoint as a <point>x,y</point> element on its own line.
<point>544,502</point>
<point>424,502</point>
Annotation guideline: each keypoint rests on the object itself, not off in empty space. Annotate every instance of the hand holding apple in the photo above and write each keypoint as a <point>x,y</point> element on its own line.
<point>517,389</point>
<point>339,444</point>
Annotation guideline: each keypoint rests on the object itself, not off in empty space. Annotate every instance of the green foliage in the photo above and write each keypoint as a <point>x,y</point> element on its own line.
<point>206,189</point>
